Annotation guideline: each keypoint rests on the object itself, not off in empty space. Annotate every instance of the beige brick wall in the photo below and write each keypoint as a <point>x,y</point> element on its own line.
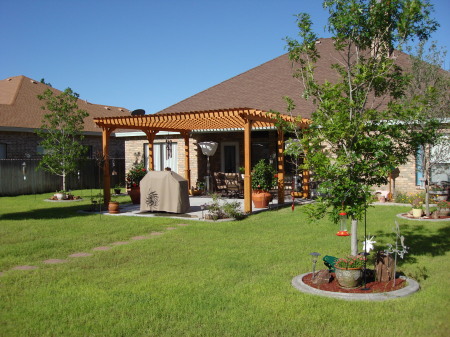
<point>134,153</point>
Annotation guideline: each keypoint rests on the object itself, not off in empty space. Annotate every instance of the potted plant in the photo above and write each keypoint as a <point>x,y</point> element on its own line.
<point>134,177</point>
<point>113,207</point>
<point>264,178</point>
<point>438,192</point>
<point>60,195</point>
<point>443,207</point>
<point>348,271</point>
<point>417,210</point>
<point>118,188</point>
<point>198,189</point>
<point>242,171</point>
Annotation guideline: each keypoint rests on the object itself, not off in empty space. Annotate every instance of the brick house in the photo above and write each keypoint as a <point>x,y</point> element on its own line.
<point>263,88</point>
<point>21,115</point>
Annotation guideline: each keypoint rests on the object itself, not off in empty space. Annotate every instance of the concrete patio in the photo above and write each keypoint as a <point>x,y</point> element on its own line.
<point>197,209</point>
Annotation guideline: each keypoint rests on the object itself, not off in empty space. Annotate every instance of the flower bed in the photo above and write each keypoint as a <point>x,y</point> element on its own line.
<point>372,285</point>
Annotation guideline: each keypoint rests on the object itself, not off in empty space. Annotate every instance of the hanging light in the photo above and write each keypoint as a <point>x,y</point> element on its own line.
<point>343,224</point>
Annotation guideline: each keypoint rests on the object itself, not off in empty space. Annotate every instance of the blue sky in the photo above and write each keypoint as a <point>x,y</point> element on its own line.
<point>152,54</point>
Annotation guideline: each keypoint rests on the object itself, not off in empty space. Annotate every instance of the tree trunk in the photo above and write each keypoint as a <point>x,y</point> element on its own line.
<point>427,169</point>
<point>354,238</point>
<point>64,181</point>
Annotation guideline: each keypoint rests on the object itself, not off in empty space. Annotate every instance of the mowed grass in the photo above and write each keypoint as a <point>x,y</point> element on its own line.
<point>205,279</point>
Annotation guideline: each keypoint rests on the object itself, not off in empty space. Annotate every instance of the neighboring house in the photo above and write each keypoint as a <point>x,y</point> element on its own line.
<point>21,115</point>
<point>262,88</point>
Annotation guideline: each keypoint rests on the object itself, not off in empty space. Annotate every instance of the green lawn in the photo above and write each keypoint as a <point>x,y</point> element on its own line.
<point>206,279</point>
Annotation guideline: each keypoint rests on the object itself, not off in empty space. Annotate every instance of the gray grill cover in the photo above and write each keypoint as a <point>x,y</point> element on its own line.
<point>164,191</point>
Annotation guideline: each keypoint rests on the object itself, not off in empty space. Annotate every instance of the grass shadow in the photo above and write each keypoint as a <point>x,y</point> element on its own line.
<point>60,212</point>
<point>419,241</point>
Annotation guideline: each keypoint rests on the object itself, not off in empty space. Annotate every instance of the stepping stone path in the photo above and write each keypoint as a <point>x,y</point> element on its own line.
<point>139,238</point>
<point>54,261</point>
<point>101,248</point>
<point>183,224</point>
<point>25,268</point>
<point>81,255</point>
<point>120,243</point>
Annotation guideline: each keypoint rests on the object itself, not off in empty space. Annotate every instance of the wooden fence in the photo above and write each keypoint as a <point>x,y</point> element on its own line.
<point>17,178</point>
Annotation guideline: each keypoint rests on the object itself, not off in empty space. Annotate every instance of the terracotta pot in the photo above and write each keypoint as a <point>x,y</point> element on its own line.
<point>349,278</point>
<point>113,207</point>
<point>261,199</point>
<point>135,195</point>
<point>417,212</point>
<point>194,192</point>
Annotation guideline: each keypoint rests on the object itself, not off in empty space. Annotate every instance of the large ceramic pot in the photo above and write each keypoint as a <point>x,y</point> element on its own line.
<point>261,199</point>
<point>135,195</point>
<point>349,278</point>
<point>417,212</point>
<point>60,195</point>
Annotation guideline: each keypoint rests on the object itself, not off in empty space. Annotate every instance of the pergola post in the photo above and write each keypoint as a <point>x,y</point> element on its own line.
<point>106,132</point>
<point>247,164</point>
<point>187,168</point>
<point>280,166</point>
<point>151,138</point>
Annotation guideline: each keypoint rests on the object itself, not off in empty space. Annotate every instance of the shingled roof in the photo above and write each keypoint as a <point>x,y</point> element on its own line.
<point>264,86</point>
<point>20,107</point>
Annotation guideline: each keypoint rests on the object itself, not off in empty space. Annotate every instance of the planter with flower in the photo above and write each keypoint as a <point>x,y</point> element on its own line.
<point>134,177</point>
<point>417,207</point>
<point>349,271</point>
<point>264,178</point>
<point>443,208</point>
<point>198,189</point>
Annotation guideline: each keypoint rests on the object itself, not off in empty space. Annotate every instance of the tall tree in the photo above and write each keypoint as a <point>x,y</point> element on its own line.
<point>428,94</point>
<point>355,139</point>
<point>61,133</point>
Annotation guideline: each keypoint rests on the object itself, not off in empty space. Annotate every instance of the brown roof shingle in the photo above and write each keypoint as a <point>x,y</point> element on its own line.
<point>264,86</point>
<point>20,107</point>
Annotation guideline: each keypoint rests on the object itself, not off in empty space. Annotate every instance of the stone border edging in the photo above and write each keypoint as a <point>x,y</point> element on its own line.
<point>420,219</point>
<point>65,200</point>
<point>412,287</point>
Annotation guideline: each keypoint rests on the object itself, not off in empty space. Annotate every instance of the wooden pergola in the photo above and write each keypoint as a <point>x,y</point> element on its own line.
<point>186,122</point>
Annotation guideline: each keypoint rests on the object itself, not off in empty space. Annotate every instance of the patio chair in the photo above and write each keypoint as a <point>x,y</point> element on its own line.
<point>219,182</point>
<point>234,184</point>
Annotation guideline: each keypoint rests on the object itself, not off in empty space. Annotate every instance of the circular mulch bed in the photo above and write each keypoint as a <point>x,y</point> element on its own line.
<point>429,218</point>
<point>377,291</point>
<point>372,285</point>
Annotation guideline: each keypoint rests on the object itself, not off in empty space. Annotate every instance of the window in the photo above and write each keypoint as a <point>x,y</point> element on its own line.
<point>439,161</point>
<point>164,155</point>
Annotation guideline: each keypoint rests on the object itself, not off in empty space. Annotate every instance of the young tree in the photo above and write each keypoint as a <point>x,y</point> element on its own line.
<point>61,133</point>
<point>355,138</point>
<point>429,95</point>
